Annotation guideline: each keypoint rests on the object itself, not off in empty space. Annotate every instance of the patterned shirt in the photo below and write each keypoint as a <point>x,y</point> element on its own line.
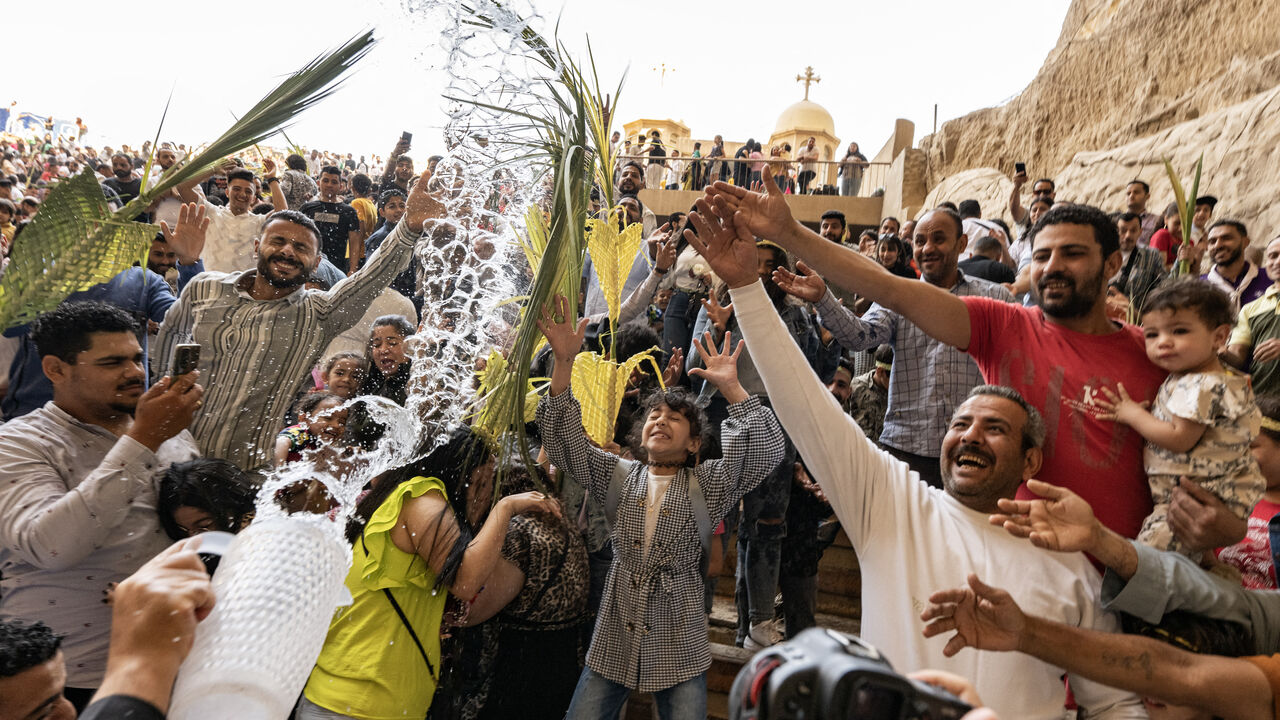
<point>868,403</point>
<point>929,379</point>
<point>651,633</point>
<point>1259,321</point>
<point>257,353</point>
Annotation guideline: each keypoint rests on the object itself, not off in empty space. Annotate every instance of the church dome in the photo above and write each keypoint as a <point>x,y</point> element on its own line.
<point>806,115</point>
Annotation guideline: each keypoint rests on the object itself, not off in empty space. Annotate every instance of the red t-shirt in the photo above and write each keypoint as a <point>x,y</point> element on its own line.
<point>1163,241</point>
<point>1061,372</point>
<point>1252,555</point>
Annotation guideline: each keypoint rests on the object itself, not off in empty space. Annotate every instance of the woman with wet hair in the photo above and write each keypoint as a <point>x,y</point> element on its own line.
<point>413,544</point>
<point>205,494</point>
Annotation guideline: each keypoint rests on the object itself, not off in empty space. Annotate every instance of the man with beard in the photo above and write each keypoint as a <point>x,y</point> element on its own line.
<point>123,181</point>
<point>630,183</point>
<point>233,229</point>
<point>1059,354</point>
<point>1255,342</point>
<point>77,480</point>
<point>1136,194</point>
<point>929,378</point>
<point>1240,279</point>
<point>338,222</point>
<point>261,331</point>
<point>1141,268</point>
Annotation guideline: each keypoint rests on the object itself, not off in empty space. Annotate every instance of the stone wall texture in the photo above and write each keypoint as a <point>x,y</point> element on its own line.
<point>1128,82</point>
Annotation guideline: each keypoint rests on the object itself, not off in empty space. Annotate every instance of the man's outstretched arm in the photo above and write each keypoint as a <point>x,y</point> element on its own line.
<point>940,314</point>
<point>987,618</point>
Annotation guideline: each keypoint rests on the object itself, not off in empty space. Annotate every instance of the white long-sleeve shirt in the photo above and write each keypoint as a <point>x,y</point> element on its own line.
<point>913,540</point>
<point>77,512</point>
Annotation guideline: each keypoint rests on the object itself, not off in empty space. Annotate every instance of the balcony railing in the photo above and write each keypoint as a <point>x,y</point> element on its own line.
<point>695,177</point>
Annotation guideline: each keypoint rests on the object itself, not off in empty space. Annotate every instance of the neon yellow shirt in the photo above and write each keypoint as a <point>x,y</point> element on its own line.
<point>370,668</point>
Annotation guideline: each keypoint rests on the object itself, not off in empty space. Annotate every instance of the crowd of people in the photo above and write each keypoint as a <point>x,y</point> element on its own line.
<point>795,170</point>
<point>1059,437</point>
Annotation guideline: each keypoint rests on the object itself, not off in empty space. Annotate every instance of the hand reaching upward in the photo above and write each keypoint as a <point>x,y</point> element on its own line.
<point>804,284</point>
<point>763,213</point>
<point>729,250</point>
<point>423,204</point>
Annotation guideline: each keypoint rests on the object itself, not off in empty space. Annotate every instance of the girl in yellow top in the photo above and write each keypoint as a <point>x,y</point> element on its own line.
<point>381,658</point>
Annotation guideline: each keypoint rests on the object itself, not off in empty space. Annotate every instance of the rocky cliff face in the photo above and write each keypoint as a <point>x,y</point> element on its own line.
<point>1122,70</point>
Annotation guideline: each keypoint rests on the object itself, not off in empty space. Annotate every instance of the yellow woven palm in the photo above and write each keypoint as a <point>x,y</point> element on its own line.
<point>599,385</point>
<point>612,254</point>
<point>491,414</point>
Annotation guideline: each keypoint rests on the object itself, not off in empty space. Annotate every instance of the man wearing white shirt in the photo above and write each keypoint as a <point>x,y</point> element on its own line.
<point>918,537</point>
<point>807,156</point>
<point>233,229</point>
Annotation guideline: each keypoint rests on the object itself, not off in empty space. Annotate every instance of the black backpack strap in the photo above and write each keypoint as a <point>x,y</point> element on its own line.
<point>404,620</point>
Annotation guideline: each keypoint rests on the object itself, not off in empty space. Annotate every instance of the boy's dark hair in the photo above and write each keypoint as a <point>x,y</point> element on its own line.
<point>240,174</point>
<point>330,170</point>
<point>24,646</point>
<point>361,184</point>
<point>884,354</point>
<point>1104,228</point>
<point>1209,303</point>
<point>263,208</point>
<point>944,204</point>
<point>634,338</point>
<point>1128,217</point>
<point>213,485</point>
<point>970,209</point>
<point>309,402</point>
<point>296,162</point>
<point>1145,187</point>
<point>679,400</point>
<point>65,331</point>
<point>386,196</point>
<point>636,164</point>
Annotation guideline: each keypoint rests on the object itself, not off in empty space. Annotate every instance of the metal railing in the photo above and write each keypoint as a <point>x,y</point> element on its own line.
<point>739,172</point>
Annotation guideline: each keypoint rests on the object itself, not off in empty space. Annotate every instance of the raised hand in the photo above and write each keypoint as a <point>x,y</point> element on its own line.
<point>717,313</point>
<point>721,366</point>
<point>1119,407</point>
<point>423,204</point>
<point>728,249</point>
<point>564,340</point>
<point>763,213</point>
<point>982,617</point>
<point>1061,520</point>
<point>664,244</point>
<point>187,238</point>
<point>166,409</point>
<point>805,284</point>
<point>532,502</point>
<point>268,169</point>
<point>675,366</point>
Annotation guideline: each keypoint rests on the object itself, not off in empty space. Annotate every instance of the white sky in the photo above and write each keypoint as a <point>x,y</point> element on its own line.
<point>734,64</point>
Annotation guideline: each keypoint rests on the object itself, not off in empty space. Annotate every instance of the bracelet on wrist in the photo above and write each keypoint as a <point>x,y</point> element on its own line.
<point>661,271</point>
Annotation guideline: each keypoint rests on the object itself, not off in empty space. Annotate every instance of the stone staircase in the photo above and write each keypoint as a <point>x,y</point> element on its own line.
<point>839,608</point>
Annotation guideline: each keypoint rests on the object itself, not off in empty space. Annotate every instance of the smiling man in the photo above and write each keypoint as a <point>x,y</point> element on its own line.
<point>1240,279</point>
<point>261,331</point>
<point>77,480</point>
<point>233,229</point>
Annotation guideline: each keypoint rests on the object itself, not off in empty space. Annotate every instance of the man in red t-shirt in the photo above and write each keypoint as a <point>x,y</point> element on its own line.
<point>1059,354</point>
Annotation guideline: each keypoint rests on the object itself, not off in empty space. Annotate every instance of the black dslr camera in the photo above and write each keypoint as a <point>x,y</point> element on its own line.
<point>826,675</point>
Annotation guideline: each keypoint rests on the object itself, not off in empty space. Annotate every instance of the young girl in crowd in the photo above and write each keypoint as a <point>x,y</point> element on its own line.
<point>205,494</point>
<point>651,632</point>
<point>320,422</point>
<point>1203,420</point>
<point>343,372</point>
<point>1253,556</point>
<point>389,366</point>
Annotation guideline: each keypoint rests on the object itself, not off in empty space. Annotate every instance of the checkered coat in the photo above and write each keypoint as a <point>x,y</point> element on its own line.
<point>651,633</point>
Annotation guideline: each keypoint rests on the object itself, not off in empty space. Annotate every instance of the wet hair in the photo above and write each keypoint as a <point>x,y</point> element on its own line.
<point>24,646</point>
<point>335,358</point>
<point>1239,226</point>
<point>1270,407</point>
<point>67,330</point>
<point>1033,430</point>
<point>1210,304</point>
<point>297,218</point>
<point>386,196</point>
<point>213,485</point>
<point>240,174</point>
<point>1145,187</point>
<point>399,322</point>
<point>884,353</point>
<point>296,162</point>
<point>361,184</point>
<point>679,400</point>
<point>1104,228</point>
<point>309,402</point>
<point>453,463</point>
<point>970,209</point>
<point>835,215</point>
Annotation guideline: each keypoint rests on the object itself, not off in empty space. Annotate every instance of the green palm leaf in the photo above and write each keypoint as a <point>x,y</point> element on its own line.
<point>75,242</point>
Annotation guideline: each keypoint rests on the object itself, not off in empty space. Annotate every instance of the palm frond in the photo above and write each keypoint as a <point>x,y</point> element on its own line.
<point>73,243</point>
<point>599,385</point>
